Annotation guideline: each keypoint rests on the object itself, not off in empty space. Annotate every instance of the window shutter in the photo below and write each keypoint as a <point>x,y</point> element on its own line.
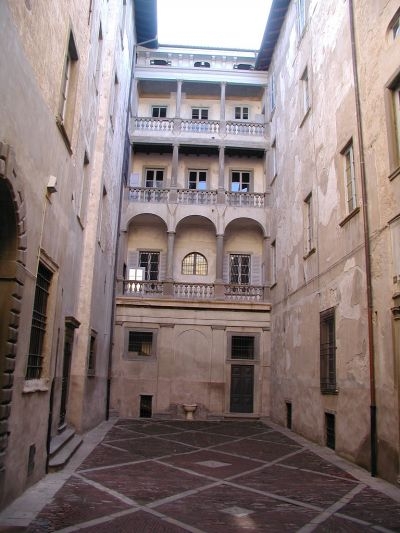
<point>163,266</point>
<point>133,259</point>
<point>225,268</point>
<point>256,270</point>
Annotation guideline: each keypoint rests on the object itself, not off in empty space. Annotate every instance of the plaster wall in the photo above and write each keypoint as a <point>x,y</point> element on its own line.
<point>309,143</point>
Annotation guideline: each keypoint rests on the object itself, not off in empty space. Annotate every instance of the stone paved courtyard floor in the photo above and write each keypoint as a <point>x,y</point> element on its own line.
<point>173,476</point>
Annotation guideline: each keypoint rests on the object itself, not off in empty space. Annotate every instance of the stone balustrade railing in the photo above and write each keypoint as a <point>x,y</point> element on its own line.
<point>147,194</point>
<point>176,126</point>
<point>192,196</point>
<point>191,291</point>
<point>245,199</point>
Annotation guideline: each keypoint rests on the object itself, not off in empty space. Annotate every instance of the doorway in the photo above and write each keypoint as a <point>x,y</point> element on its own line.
<point>242,388</point>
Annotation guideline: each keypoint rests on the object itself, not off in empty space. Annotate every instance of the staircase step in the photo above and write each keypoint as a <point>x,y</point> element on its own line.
<point>64,454</point>
<point>58,441</point>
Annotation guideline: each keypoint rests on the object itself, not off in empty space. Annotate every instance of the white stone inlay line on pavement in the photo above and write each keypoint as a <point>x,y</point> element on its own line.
<point>237,511</point>
<point>213,464</point>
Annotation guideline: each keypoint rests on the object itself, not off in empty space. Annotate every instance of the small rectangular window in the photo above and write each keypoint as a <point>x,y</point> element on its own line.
<point>272,89</point>
<point>273,262</point>
<point>289,415</point>
<point>39,323</point>
<point>241,113</point>
<point>308,225</point>
<point>69,85</point>
<point>349,177</point>
<point>91,365</point>
<point>114,100</point>
<point>240,181</point>
<point>328,351</point>
<point>140,343</point>
<point>159,111</point>
<point>330,430</point>
<point>305,92</point>
<point>154,178</point>
<point>274,167</point>
<point>200,113</point>
<point>396,112</point>
<point>242,347</point>
<point>198,180</point>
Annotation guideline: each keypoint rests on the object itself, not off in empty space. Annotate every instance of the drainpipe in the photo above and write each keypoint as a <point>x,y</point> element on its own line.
<point>371,349</point>
<point>126,147</point>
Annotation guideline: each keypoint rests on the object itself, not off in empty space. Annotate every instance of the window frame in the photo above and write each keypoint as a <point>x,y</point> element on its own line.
<point>392,112</point>
<point>68,91</point>
<point>197,173</point>
<point>243,111</point>
<point>241,173</point>
<point>349,176</point>
<point>133,355</point>
<point>38,333</point>
<point>308,221</point>
<point>195,255</point>
<point>272,93</point>
<point>148,272</point>
<point>159,107</point>
<point>201,111</point>
<point>156,170</point>
<point>327,351</point>
<point>240,274</point>
<point>301,17</point>
<point>273,263</point>
<point>256,347</point>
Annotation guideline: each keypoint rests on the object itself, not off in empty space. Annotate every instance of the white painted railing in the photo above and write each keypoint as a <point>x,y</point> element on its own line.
<point>244,293</point>
<point>245,199</point>
<point>143,288</point>
<point>245,128</point>
<point>192,291</point>
<point>154,124</point>
<point>197,291</point>
<point>192,196</point>
<point>144,194</point>
<point>200,126</point>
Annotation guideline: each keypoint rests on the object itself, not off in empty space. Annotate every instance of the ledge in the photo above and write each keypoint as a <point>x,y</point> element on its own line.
<point>35,385</point>
<point>349,217</point>
<point>311,252</point>
<point>394,174</point>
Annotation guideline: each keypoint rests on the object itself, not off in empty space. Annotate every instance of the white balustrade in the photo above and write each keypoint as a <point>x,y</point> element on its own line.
<point>154,124</point>
<point>193,196</point>
<point>245,128</point>
<point>200,126</point>
<point>196,291</point>
<point>245,199</point>
<point>143,288</point>
<point>244,293</point>
<point>145,194</point>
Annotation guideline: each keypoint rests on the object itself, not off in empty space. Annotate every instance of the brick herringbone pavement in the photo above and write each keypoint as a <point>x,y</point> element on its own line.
<point>226,477</point>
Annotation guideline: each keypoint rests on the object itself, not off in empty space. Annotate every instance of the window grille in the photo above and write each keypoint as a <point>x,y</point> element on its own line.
<point>150,261</point>
<point>39,318</point>
<point>328,351</point>
<point>194,264</point>
<point>240,269</point>
<point>242,347</point>
<point>140,342</point>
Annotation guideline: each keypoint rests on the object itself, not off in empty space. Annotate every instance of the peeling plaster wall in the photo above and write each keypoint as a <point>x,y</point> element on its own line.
<point>309,160</point>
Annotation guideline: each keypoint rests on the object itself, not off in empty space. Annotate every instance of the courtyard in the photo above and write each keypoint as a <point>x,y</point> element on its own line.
<point>171,476</point>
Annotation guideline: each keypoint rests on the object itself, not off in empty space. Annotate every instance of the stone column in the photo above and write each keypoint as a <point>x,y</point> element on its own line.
<point>174,170</point>
<point>178,99</point>
<point>222,103</point>
<point>219,290</point>
<point>169,282</point>
<point>221,176</point>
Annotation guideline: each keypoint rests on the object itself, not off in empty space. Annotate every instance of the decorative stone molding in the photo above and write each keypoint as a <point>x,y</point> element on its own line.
<point>14,274</point>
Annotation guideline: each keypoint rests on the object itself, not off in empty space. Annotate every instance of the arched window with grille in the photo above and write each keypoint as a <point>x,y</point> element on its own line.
<point>195,264</point>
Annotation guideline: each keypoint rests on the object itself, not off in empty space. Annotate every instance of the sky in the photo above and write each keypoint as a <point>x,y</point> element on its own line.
<point>236,24</point>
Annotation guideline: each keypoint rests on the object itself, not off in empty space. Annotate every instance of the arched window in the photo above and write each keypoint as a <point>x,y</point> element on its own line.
<point>195,264</point>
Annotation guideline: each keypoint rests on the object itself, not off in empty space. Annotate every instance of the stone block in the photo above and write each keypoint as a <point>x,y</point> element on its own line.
<point>9,364</point>
<point>5,410</point>
<point>5,396</point>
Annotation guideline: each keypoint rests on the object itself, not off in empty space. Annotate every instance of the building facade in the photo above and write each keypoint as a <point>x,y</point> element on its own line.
<point>192,317</point>
<point>64,83</point>
<point>199,227</point>
<point>334,118</point>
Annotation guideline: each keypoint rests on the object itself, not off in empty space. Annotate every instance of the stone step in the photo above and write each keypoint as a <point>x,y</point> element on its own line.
<point>61,439</point>
<point>64,453</point>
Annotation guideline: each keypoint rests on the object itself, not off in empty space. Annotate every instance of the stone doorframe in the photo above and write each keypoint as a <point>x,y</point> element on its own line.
<point>12,273</point>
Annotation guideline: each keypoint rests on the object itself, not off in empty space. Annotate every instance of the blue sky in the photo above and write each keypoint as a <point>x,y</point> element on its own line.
<point>219,23</point>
